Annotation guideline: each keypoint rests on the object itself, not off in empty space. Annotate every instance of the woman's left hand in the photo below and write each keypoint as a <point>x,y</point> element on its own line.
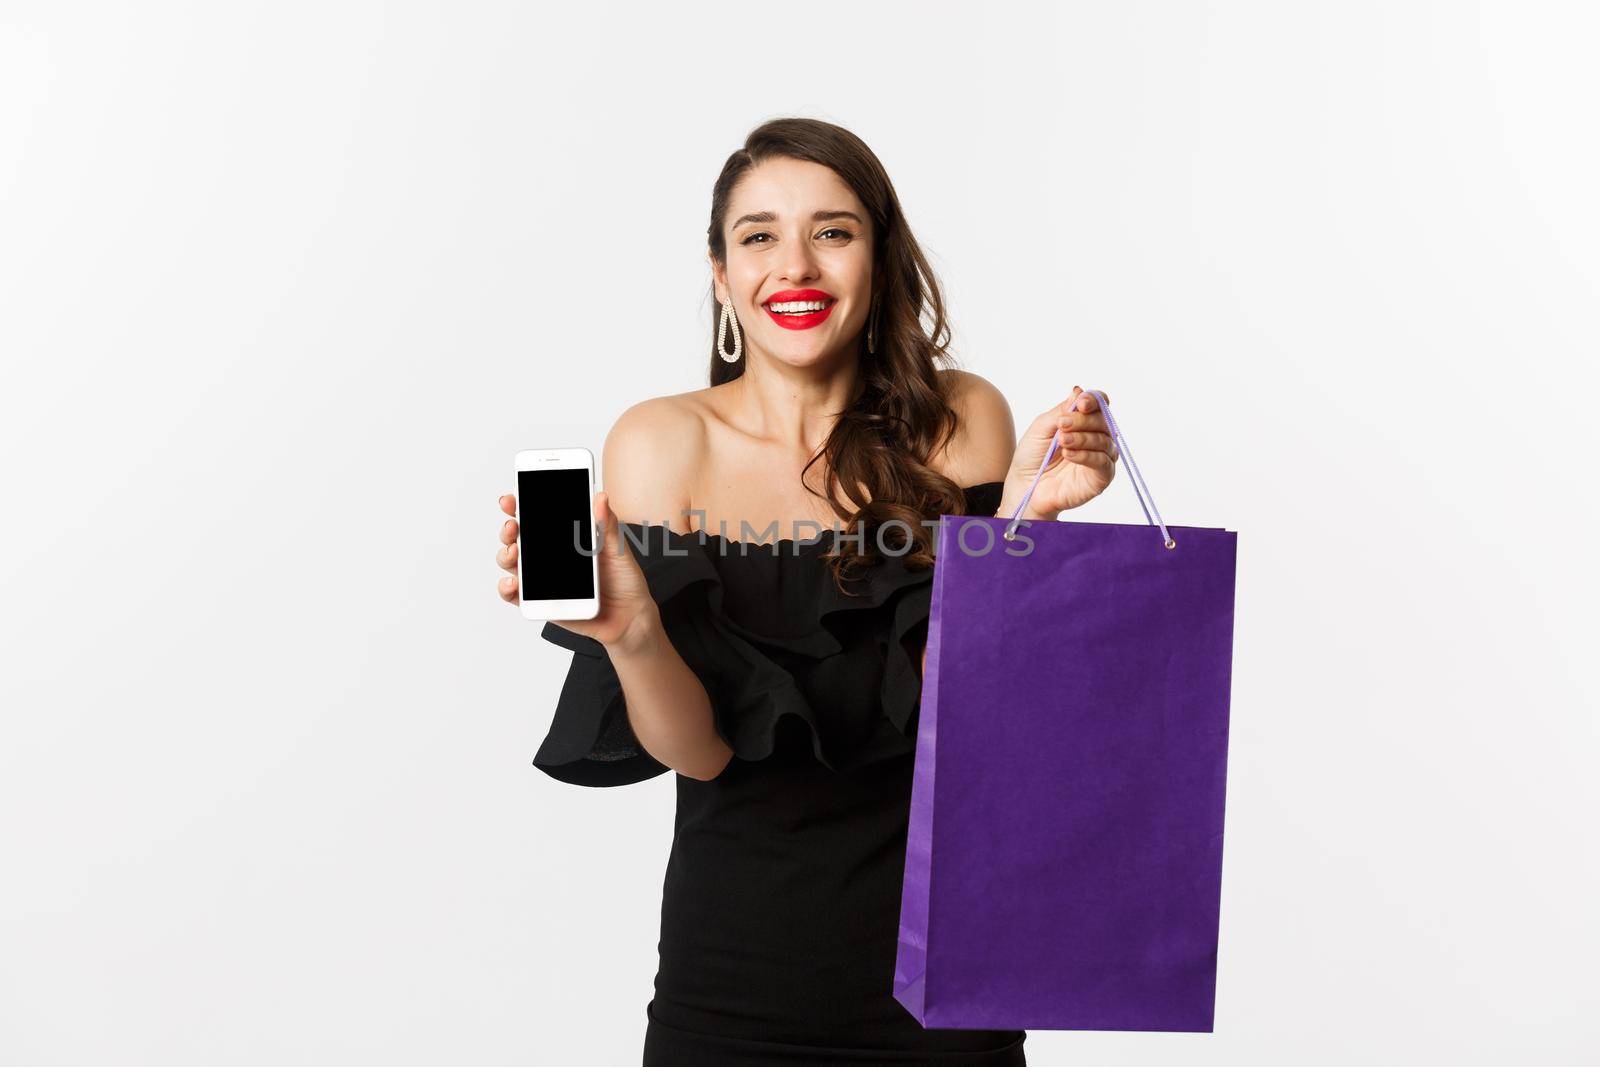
<point>1084,463</point>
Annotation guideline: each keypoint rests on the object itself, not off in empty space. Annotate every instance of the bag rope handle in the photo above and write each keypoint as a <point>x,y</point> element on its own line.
<point>1139,488</point>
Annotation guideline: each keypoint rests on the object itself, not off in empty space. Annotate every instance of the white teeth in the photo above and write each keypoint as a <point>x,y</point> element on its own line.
<point>798,306</point>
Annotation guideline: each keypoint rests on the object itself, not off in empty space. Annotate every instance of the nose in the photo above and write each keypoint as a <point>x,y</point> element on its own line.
<point>800,263</point>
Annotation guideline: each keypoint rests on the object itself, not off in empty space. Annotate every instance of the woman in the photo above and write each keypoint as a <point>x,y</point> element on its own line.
<point>780,677</point>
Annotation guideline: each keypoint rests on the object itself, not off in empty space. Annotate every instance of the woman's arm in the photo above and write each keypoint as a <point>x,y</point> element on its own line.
<point>666,702</point>
<point>648,453</point>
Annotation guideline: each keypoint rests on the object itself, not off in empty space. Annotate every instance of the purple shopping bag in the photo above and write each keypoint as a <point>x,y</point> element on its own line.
<point>1064,861</point>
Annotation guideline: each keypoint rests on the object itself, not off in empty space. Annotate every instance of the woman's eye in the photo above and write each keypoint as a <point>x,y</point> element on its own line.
<point>830,229</point>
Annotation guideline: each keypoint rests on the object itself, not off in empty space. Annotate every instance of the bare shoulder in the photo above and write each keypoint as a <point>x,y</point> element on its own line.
<point>651,453</point>
<point>986,434</point>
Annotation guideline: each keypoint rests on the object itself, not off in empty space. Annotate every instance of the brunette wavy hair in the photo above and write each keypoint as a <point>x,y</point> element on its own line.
<point>900,416</point>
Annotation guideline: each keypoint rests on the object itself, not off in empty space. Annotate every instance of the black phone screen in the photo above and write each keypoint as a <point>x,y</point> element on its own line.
<point>556,535</point>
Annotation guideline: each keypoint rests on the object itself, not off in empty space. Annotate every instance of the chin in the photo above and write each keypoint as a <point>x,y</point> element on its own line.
<point>804,355</point>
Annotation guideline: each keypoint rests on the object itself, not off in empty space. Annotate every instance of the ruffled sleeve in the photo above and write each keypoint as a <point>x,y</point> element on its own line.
<point>770,635</point>
<point>590,741</point>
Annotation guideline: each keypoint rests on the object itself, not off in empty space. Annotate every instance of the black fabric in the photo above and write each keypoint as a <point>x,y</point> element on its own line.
<point>769,633</point>
<point>781,901</point>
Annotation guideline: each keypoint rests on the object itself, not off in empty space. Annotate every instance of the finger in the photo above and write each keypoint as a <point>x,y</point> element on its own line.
<point>1087,458</point>
<point>1091,423</point>
<point>1081,441</point>
<point>1045,426</point>
<point>507,557</point>
<point>1087,415</point>
<point>1047,421</point>
<point>508,590</point>
<point>1063,408</point>
<point>508,504</point>
<point>508,531</point>
<point>610,534</point>
<point>1089,402</point>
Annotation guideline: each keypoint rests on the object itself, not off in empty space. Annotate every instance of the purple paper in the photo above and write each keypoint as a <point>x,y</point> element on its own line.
<point>1064,862</point>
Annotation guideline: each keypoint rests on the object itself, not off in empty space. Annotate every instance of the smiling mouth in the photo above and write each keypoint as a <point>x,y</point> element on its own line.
<point>799,314</point>
<point>798,308</point>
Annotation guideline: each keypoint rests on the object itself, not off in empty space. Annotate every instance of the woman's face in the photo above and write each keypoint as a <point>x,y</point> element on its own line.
<point>809,241</point>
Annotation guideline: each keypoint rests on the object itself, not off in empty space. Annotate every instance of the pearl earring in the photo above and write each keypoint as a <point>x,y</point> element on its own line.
<point>722,331</point>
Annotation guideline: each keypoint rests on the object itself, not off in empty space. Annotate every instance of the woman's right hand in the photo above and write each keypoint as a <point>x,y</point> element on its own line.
<point>627,610</point>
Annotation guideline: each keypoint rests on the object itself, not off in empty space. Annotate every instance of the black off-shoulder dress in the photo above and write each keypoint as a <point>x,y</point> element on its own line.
<point>781,901</point>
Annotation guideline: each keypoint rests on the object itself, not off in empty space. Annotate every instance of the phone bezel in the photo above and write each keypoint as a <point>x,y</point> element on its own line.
<point>557,459</point>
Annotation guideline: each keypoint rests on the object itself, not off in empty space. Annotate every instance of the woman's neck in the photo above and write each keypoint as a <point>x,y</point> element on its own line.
<point>792,405</point>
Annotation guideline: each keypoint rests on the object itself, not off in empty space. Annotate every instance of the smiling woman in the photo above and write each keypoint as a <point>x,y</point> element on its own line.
<point>782,678</point>
<point>810,251</point>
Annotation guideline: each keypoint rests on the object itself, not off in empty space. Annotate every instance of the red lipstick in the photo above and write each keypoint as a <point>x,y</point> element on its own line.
<point>804,321</point>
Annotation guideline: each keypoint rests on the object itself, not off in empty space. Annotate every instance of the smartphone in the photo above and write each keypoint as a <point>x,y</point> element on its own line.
<point>558,570</point>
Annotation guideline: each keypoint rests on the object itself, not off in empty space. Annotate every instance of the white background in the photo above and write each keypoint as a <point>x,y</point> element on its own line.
<point>284,287</point>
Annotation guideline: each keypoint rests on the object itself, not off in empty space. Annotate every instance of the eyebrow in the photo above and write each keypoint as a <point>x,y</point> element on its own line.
<point>819,216</point>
